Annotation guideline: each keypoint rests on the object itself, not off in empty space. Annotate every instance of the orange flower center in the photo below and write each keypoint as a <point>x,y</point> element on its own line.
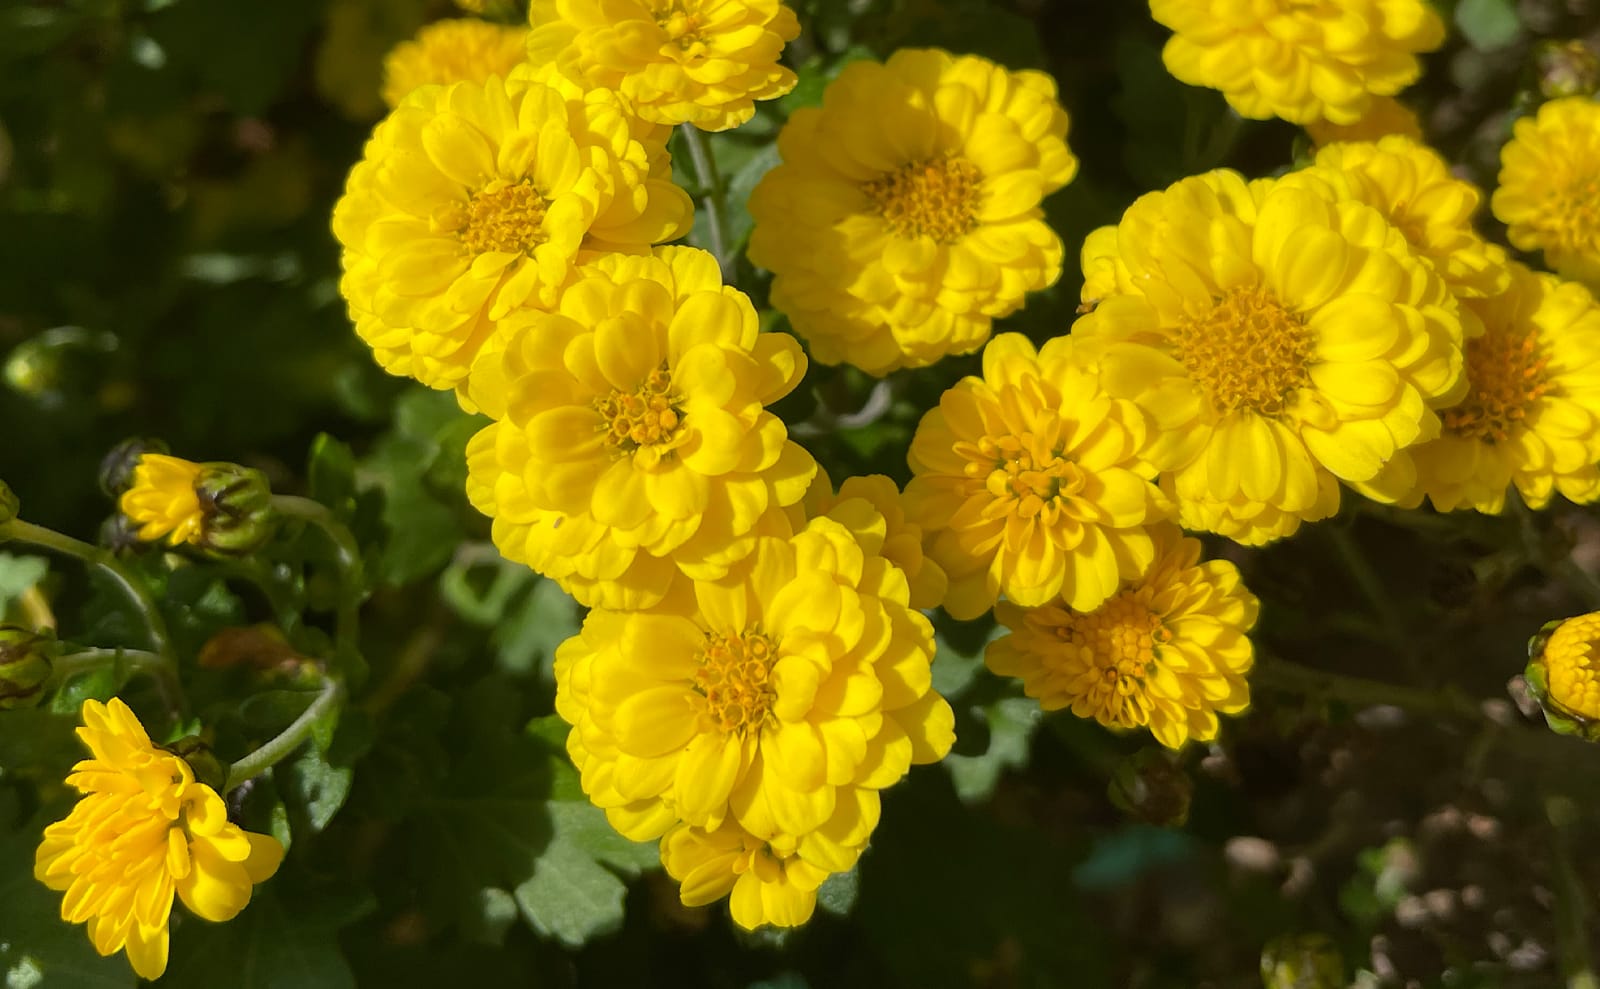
<point>504,217</point>
<point>1111,651</point>
<point>1506,374</point>
<point>735,677</point>
<point>937,198</point>
<point>1024,474</point>
<point>647,416</point>
<point>1247,352</point>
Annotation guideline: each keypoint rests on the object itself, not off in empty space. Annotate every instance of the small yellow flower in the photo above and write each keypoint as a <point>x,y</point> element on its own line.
<point>1300,61</point>
<point>1168,652</point>
<point>1549,194</point>
<point>1564,674</point>
<point>1031,482</point>
<point>1385,116</point>
<point>163,500</point>
<point>905,216</point>
<point>703,62</point>
<point>877,495</point>
<point>145,830</point>
<point>460,50</point>
<point>770,883</point>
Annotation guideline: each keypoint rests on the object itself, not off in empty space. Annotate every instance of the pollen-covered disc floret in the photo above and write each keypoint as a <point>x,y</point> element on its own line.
<point>1564,674</point>
<point>1298,60</point>
<point>1549,192</point>
<point>905,216</point>
<point>458,50</point>
<point>632,440</point>
<point>1281,334</point>
<point>145,831</point>
<point>702,62</point>
<point>473,200</point>
<point>1031,482</point>
<point>1168,652</point>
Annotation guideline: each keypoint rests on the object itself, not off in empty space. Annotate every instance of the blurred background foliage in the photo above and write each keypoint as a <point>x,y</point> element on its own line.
<point>167,170</point>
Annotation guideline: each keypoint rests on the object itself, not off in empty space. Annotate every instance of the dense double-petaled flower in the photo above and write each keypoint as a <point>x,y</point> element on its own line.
<point>902,538</point>
<point>459,50</point>
<point>1549,192</point>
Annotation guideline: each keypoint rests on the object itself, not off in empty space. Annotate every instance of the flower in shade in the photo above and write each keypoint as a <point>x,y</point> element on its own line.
<point>163,500</point>
<point>1531,415</point>
<point>1168,652</point>
<point>1549,193</point>
<point>1564,674</point>
<point>902,538</point>
<point>1281,335</point>
<point>460,50</point>
<point>632,430</point>
<point>1300,61</point>
<point>1385,116</point>
<point>145,830</point>
<point>702,62</point>
<point>769,882</point>
<point>473,200</point>
<point>1032,482</point>
<point>905,216</point>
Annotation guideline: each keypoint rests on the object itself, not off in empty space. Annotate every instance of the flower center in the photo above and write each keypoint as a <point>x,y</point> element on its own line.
<point>937,198</point>
<point>647,416</point>
<point>1573,217</point>
<point>1506,373</point>
<point>1246,353</point>
<point>735,677</point>
<point>1024,474</point>
<point>1110,652</point>
<point>504,217</point>
<point>680,19</point>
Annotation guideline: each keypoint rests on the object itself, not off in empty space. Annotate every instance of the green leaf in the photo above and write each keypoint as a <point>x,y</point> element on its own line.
<point>570,896</point>
<point>1012,722</point>
<point>18,575</point>
<point>530,632</point>
<point>837,894</point>
<point>331,473</point>
<point>1488,24</point>
<point>275,942</point>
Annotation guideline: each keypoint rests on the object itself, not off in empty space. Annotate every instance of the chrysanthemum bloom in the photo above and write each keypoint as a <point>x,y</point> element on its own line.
<point>1385,117</point>
<point>144,830</point>
<point>1549,194</point>
<point>473,200</point>
<point>636,408</point>
<point>1564,674</point>
<point>702,62</point>
<point>1281,334</point>
<point>1032,482</point>
<point>769,882</point>
<point>163,500</point>
<point>902,538</point>
<point>782,697</point>
<point>219,507</point>
<point>1531,415</point>
<point>1168,652</point>
<point>905,215</point>
<point>460,50</point>
<point>1300,61</point>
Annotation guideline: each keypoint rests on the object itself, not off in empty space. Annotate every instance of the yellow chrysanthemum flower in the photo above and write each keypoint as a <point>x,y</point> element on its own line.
<point>1385,116</point>
<point>164,500</point>
<point>1531,415</point>
<point>781,698</point>
<point>905,215</point>
<point>769,882</point>
<point>1031,482</point>
<point>902,538</point>
<point>459,50</point>
<point>635,413</point>
<point>1413,188</point>
<point>145,830</point>
<point>702,62</point>
<point>1549,195</point>
<point>1564,674</point>
<point>1281,334</point>
<point>474,200</point>
<point>1300,61</point>
<point>1168,652</point>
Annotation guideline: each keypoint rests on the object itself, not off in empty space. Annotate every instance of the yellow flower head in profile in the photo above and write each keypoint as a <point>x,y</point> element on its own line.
<point>1168,652</point>
<point>781,698</point>
<point>145,830</point>
<point>635,411</point>
<point>1563,673</point>
<point>1531,415</point>
<point>769,883</point>
<point>460,50</point>
<point>1549,194</point>
<point>164,500</point>
<point>905,216</point>
<point>473,200</point>
<point>902,538</point>
<point>1385,116</point>
<point>1303,62</point>
<point>1281,334</point>
<point>701,62</point>
<point>1032,482</point>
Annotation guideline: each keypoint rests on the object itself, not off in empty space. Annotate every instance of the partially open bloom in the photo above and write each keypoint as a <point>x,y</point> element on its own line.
<point>905,216</point>
<point>1564,674</point>
<point>1300,61</point>
<point>164,501</point>
<point>220,507</point>
<point>145,830</point>
<point>633,431</point>
<point>1549,194</point>
<point>1032,482</point>
<point>702,62</point>
<point>1385,116</point>
<point>460,50</point>
<point>1282,334</point>
<point>902,538</point>
<point>473,200</point>
<point>1168,652</point>
<point>1531,415</point>
<point>769,882</point>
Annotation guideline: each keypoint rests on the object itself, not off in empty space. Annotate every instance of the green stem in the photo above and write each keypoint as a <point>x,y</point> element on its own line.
<point>88,660</point>
<point>705,172</point>
<point>347,557</point>
<point>38,535</point>
<point>1571,905</point>
<point>1371,586</point>
<point>276,750</point>
<point>1280,674</point>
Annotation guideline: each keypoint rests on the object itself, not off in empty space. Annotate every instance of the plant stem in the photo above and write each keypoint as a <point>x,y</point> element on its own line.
<point>89,660</point>
<point>288,740</point>
<point>705,172</point>
<point>1281,674</point>
<point>347,556</point>
<point>1571,903</point>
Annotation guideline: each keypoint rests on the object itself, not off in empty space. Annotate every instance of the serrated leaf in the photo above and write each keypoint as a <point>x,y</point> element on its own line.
<point>530,632</point>
<point>837,894</point>
<point>313,788</point>
<point>570,896</point>
<point>1012,722</point>
<point>585,825</point>
<point>274,943</point>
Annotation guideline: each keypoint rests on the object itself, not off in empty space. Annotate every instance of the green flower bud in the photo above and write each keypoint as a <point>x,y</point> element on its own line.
<point>1302,961</point>
<point>236,508</point>
<point>1149,787</point>
<point>10,504</point>
<point>116,467</point>
<point>26,660</point>
<point>196,751</point>
<point>1563,675</point>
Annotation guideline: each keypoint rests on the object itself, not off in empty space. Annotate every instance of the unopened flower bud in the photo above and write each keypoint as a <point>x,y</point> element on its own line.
<point>1567,68</point>
<point>1147,786</point>
<point>26,660</point>
<point>117,466</point>
<point>220,507</point>
<point>1302,961</point>
<point>1563,674</point>
<point>196,751</point>
<point>237,505</point>
<point>10,504</point>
